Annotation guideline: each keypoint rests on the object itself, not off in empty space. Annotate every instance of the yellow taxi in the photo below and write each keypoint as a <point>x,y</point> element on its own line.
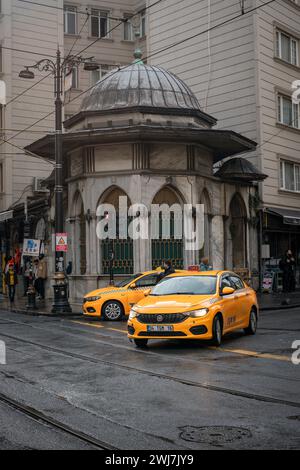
<point>112,302</point>
<point>194,305</point>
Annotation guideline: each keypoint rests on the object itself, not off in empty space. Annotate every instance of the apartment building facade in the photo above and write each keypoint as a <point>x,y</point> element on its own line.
<point>240,61</point>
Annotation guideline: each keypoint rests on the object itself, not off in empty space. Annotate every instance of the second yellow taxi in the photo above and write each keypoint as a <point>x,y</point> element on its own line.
<point>194,305</point>
<point>112,302</point>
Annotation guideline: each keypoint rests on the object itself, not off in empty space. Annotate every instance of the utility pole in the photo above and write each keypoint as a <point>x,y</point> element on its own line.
<point>59,69</point>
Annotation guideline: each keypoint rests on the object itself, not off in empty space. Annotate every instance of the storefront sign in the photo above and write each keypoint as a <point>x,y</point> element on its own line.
<point>61,242</point>
<point>31,247</point>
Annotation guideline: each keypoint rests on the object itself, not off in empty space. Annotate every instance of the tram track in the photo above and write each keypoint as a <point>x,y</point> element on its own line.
<point>57,425</point>
<point>150,373</point>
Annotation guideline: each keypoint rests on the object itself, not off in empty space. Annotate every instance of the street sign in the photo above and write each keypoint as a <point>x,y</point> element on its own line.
<point>31,247</point>
<point>61,242</point>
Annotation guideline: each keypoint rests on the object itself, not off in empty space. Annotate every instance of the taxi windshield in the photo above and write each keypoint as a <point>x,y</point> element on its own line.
<point>186,285</point>
<point>127,280</point>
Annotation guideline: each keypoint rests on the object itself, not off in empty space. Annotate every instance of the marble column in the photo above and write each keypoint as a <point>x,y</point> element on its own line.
<point>93,245</point>
<point>217,242</point>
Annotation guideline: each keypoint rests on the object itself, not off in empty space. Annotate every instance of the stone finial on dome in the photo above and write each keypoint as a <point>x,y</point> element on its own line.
<point>137,54</point>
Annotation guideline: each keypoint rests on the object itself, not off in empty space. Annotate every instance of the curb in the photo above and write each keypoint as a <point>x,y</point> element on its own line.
<point>37,313</point>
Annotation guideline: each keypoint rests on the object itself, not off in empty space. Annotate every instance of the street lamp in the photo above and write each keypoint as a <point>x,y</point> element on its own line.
<point>59,69</point>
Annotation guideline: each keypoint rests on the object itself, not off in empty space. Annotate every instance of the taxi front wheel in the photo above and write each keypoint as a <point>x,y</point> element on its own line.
<point>112,311</point>
<point>217,331</point>
<point>140,343</point>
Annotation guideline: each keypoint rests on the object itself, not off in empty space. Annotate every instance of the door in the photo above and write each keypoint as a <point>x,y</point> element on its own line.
<point>242,296</point>
<point>228,304</point>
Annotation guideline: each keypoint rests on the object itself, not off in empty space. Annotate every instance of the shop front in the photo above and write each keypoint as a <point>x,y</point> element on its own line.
<point>281,232</point>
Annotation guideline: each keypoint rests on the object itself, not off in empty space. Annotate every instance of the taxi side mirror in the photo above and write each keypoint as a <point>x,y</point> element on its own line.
<point>147,292</point>
<point>133,285</point>
<point>227,291</point>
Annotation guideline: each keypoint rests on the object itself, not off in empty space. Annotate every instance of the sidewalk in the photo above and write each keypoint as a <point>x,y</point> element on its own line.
<point>43,308</point>
<point>278,301</point>
<point>266,302</point>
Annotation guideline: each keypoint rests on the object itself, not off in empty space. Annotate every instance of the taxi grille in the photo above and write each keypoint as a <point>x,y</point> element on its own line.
<point>161,318</point>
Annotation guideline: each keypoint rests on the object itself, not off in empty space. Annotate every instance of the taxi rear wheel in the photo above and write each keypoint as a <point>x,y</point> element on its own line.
<point>140,343</point>
<point>252,327</point>
<point>112,311</point>
<point>217,331</point>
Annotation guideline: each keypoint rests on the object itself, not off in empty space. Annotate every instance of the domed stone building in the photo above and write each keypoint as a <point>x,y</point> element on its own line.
<point>140,132</point>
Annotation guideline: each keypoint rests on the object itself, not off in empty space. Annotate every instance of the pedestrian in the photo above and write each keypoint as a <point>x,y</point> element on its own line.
<point>69,268</point>
<point>41,276</point>
<point>287,264</point>
<point>9,261</point>
<point>26,268</point>
<point>167,269</point>
<point>204,264</point>
<point>35,275</point>
<point>11,280</point>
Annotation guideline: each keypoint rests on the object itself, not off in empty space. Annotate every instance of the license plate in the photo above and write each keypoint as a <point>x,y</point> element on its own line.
<point>160,328</point>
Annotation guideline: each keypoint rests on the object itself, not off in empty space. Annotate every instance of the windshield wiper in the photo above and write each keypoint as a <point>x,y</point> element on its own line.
<point>178,293</point>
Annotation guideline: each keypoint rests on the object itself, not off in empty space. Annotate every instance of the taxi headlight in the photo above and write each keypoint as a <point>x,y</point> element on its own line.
<point>92,299</point>
<point>132,314</point>
<point>197,313</point>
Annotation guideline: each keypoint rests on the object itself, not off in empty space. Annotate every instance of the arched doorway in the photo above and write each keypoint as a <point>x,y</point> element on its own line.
<point>238,232</point>
<point>122,248</point>
<point>167,248</point>
<point>80,235</point>
<point>206,249</point>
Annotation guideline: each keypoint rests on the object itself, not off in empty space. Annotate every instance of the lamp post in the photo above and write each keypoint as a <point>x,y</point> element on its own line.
<point>59,69</point>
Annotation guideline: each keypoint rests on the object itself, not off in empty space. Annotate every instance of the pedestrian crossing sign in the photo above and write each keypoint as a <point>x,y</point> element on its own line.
<point>61,243</point>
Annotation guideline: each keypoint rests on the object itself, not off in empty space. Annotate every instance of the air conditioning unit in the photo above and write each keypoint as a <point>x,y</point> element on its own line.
<point>37,186</point>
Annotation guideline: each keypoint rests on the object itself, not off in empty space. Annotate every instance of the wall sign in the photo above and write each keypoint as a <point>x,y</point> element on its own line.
<point>61,242</point>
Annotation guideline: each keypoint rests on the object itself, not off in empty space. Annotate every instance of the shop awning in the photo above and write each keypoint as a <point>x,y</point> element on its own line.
<point>290,216</point>
<point>6,215</point>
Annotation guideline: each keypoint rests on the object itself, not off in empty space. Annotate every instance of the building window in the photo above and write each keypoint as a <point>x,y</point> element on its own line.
<point>290,176</point>
<point>143,23</point>
<point>287,111</point>
<point>70,20</point>
<point>128,29</point>
<point>99,24</point>
<point>287,48</point>
<point>75,81</point>
<point>103,70</point>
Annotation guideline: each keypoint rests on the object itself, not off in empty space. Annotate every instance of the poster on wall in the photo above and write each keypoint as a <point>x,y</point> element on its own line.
<point>31,247</point>
<point>267,282</point>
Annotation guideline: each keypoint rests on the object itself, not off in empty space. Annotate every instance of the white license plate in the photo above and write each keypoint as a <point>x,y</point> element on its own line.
<point>160,328</point>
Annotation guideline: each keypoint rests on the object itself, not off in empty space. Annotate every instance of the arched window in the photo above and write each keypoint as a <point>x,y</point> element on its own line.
<point>167,248</point>
<point>40,229</point>
<point>237,230</point>
<point>122,248</point>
